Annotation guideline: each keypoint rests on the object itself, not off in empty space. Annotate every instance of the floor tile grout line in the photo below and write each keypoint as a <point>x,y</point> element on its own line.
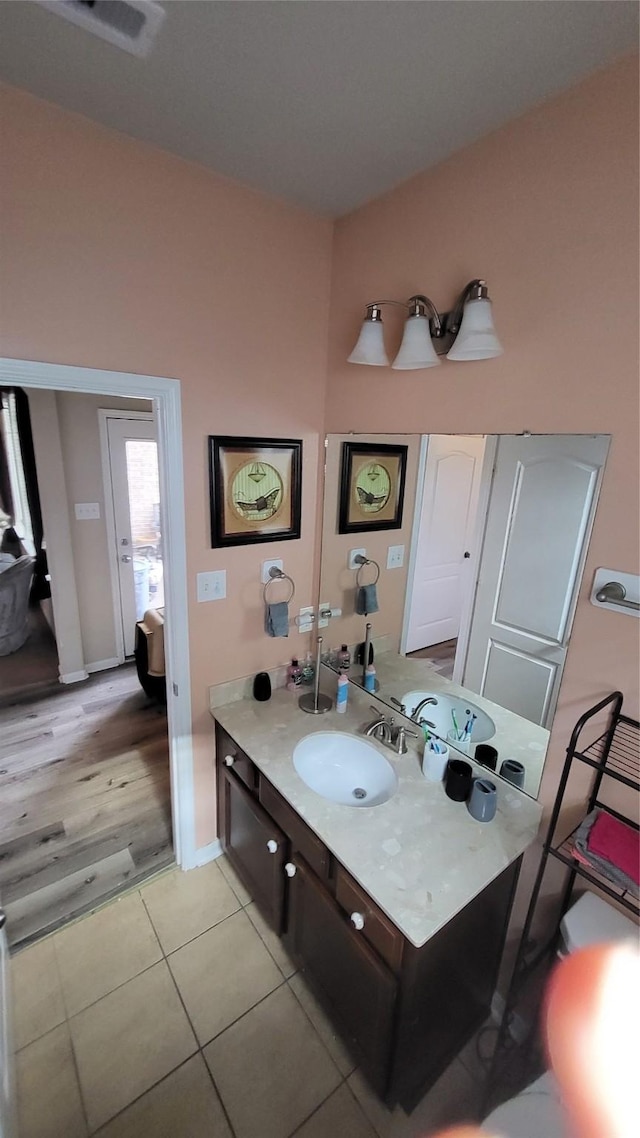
<point>301,1005</point>
<point>316,1109</point>
<point>243,1014</point>
<point>153,1086</point>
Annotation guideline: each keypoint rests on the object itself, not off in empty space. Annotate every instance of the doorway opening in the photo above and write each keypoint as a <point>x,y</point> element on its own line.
<point>92,721</point>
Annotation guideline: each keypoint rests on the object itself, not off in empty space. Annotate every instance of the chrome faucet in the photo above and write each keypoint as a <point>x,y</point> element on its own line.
<point>418,708</point>
<point>381,728</point>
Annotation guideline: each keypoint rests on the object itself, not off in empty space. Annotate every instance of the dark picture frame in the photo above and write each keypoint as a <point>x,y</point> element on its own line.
<point>255,489</point>
<point>372,479</point>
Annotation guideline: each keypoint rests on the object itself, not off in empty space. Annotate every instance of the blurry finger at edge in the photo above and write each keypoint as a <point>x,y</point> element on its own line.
<point>593,1038</point>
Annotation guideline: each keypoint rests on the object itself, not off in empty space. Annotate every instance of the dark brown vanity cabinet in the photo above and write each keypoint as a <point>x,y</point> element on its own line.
<point>405,1011</point>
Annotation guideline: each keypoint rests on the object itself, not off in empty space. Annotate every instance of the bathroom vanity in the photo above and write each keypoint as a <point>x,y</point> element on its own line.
<point>396,913</point>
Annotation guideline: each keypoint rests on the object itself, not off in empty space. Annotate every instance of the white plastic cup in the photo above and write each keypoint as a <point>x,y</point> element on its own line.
<point>434,763</point>
<point>458,744</point>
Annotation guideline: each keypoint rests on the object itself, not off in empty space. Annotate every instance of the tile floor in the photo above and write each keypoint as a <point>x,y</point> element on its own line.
<point>174,1012</point>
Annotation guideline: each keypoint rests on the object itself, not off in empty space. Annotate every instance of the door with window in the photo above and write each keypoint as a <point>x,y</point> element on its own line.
<point>133,507</point>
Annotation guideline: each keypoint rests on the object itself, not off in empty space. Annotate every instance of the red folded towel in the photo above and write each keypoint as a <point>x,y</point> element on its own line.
<point>620,844</point>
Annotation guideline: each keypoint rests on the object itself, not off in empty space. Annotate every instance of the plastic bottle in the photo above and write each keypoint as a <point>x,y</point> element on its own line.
<point>308,669</point>
<point>344,659</point>
<point>370,678</point>
<point>342,693</point>
<point>294,675</point>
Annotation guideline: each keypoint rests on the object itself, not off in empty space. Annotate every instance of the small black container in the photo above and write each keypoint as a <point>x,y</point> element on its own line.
<point>262,687</point>
<point>513,771</point>
<point>487,755</point>
<point>458,779</point>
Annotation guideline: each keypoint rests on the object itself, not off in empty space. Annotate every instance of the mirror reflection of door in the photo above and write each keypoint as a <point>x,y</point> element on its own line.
<point>439,589</point>
<point>134,487</point>
<point>539,519</point>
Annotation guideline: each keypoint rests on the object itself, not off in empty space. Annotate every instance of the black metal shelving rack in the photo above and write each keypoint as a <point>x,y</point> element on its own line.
<point>615,755</point>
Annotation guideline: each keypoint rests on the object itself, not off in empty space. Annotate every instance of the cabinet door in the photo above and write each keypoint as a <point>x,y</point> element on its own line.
<point>355,982</point>
<point>255,846</point>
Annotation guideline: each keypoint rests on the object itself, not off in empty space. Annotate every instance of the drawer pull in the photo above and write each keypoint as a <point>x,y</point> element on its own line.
<point>229,760</point>
<point>290,869</point>
<point>357,920</point>
<point>272,846</point>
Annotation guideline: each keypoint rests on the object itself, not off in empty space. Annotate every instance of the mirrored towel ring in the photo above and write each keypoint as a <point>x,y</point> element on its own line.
<point>362,562</point>
<point>276,574</point>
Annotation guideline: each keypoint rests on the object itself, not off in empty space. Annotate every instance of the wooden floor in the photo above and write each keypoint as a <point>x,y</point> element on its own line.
<point>85,806</point>
<point>441,657</point>
<point>33,669</point>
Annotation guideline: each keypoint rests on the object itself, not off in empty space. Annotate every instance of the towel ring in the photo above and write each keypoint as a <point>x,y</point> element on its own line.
<point>276,574</point>
<point>362,562</point>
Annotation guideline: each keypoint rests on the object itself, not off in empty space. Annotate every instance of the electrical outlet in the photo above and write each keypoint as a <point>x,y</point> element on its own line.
<point>212,586</point>
<point>87,511</point>
<point>305,619</point>
<point>395,557</point>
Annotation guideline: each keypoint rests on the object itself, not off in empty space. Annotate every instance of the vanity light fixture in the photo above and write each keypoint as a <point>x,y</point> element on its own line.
<point>464,333</point>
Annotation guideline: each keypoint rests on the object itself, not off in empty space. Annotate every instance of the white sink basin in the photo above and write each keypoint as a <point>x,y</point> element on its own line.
<point>344,769</point>
<point>440,714</point>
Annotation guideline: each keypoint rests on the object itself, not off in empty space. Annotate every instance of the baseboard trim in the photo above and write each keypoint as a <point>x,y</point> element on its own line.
<point>102,665</point>
<point>206,854</point>
<point>73,677</point>
<point>518,1027</point>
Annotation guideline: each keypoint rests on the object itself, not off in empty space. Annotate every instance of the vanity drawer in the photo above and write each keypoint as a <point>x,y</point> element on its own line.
<point>301,837</point>
<point>242,766</point>
<point>381,933</point>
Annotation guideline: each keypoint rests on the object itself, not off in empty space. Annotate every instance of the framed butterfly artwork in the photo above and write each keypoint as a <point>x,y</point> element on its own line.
<point>255,489</point>
<point>372,477</point>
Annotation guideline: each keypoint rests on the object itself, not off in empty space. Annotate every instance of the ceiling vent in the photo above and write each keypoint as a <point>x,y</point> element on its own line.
<point>129,24</point>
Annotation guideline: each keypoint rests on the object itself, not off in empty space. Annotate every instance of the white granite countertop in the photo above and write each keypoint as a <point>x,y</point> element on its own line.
<point>420,856</point>
<point>514,738</point>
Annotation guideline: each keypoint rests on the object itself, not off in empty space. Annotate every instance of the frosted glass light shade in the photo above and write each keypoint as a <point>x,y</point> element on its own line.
<point>370,346</point>
<point>477,338</point>
<point>416,349</point>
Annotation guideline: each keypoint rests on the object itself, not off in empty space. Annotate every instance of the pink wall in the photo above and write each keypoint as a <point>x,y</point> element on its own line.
<point>118,256</point>
<point>547,210</point>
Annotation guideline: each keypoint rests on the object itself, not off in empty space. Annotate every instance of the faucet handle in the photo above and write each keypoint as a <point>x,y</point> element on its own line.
<point>397,703</point>
<point>401,739</point>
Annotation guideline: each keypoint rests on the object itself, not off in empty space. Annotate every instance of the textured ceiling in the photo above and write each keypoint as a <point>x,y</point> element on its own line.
<point>325,103</point>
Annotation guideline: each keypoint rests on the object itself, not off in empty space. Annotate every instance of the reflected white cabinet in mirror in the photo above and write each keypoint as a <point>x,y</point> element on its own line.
<point>478,606</point>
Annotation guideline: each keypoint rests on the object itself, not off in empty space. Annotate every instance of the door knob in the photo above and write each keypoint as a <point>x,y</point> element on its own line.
<point>272,846</point>
<point>228,760</point>
<point>125,557</point>
<point>357,920</point>
<point>466,553</point>
<point>290,869</point>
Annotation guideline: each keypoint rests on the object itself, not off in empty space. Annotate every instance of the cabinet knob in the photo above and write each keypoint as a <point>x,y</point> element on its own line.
<point>357,920</point>
<point>290,869</point>
<point>272,846</point>
<point>229,760</point>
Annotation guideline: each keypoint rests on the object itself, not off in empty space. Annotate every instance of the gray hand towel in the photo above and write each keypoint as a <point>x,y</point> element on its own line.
<point>276,619</point>
<point>366,600</point>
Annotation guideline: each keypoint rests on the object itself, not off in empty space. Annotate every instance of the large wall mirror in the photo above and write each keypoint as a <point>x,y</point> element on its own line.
<point>475,579</point>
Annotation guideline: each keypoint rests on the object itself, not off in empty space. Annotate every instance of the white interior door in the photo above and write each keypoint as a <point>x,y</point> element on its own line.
<point>136,537</point>
<point>539,519</point>
<point>441,578</point>
<point>7,1099</point>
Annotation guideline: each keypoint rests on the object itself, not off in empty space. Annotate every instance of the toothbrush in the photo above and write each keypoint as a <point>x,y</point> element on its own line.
<point>455,725</point>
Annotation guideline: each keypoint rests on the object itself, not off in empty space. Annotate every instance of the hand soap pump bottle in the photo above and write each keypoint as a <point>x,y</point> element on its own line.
<point>294,675</point>
<point>342,693</point>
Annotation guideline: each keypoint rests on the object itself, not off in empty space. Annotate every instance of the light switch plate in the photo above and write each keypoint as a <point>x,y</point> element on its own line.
<point>212,586</point>
<point>395,557</point>
<point>305,619</point>
<point>87,511</point>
